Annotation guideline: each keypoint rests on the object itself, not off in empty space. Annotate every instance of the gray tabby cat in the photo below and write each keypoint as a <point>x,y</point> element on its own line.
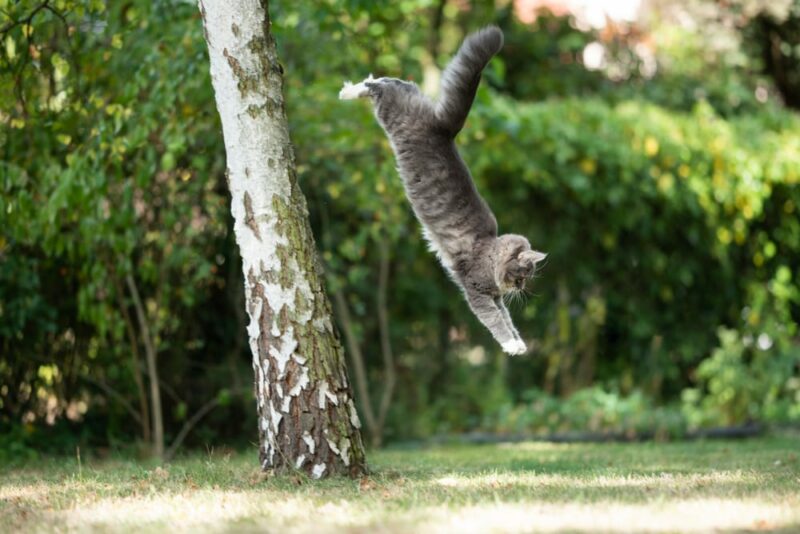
<point>456,221</point>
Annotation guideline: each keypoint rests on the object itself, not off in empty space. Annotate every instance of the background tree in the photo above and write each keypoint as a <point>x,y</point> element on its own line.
<point>307,419</point>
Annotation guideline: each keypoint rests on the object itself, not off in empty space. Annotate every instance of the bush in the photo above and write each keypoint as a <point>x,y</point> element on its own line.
<point>595,411</point>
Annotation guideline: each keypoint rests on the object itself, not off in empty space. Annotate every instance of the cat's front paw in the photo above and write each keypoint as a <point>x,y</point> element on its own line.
<point>514,347</point>
<point>351,91</point>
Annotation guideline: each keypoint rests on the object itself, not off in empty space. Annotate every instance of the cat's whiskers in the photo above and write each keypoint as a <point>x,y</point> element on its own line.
<point>514,296</point>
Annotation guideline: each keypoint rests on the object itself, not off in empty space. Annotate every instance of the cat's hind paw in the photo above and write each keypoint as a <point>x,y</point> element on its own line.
<point>351,91</point>
<point>514,347</point>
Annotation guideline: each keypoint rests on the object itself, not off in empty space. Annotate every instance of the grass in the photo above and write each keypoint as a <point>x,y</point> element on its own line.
<point>660,487</point>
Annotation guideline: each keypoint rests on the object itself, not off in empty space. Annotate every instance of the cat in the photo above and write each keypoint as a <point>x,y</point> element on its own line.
<point>457,223</point>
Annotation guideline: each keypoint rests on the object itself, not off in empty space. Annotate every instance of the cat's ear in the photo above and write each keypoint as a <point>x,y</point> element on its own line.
<point>533,256</point>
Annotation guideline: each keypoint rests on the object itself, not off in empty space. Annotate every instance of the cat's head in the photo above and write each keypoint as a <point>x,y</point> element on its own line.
<point>515,262</point>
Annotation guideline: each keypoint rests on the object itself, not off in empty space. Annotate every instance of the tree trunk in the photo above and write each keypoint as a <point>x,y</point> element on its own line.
<point>307,419</point>
<point>152,369</point>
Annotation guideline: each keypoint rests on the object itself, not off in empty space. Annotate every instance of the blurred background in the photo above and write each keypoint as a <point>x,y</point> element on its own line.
<point>650,147</point>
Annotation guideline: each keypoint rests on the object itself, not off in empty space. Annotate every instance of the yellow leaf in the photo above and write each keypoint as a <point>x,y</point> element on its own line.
<point>11,48</point>
<point>588,166</point>
<point>60,65</point>
<point>666,294</point>
<point>665,182</point>
<point>116,41</point>
<point>18,123</point>
<point>650,146</point>
<point>64,138</point>
<point>724,235</point>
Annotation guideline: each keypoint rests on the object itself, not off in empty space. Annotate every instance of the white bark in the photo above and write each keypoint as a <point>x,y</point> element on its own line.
<point>301,387</point>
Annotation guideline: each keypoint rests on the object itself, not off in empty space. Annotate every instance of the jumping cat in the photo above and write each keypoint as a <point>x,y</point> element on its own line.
<point>457,223</point>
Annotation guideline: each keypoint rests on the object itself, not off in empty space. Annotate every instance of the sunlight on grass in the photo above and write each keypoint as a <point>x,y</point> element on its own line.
<point>663,481</point>
<point>210,509</point>
<point>215,509</point>
<point>701,515</point>
<point>685,487</point>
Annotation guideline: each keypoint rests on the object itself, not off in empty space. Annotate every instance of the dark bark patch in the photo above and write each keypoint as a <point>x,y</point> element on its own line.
<point>245,83</point>
<point>235,30</point>
<point>203,16</point>
<point>249,216</point>
<point>270,106</point>
<point>286,276</point>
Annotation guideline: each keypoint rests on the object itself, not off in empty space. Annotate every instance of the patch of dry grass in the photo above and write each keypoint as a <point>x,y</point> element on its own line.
<point>673,487</point>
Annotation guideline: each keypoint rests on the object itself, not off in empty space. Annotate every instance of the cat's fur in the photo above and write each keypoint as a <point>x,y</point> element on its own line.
<point>456,221</point>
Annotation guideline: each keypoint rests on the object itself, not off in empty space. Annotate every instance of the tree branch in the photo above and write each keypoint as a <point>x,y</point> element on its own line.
<point>111,392</point>
<point>137,372</point>
<point>150,352</point>
<point>353,348</point>
<point>192,421</point>
<point>383,326</point>
<point>26,20</point>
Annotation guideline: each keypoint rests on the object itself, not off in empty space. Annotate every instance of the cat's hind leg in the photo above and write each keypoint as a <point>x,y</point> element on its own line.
<point>352,91</point>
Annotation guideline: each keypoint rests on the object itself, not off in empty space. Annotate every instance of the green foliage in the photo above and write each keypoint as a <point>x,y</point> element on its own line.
<point>775,44</point>
<point>552,47</point>
<point>111,172</point>
<point>591,410</point>
<point>665,218</point>
<point>754,374</point>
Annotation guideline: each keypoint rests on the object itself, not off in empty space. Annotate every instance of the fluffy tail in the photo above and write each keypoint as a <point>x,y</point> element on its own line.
<point>461,77</point>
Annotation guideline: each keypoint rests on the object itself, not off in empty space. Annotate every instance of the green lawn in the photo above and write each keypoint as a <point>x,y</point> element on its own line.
<point>693,487</point>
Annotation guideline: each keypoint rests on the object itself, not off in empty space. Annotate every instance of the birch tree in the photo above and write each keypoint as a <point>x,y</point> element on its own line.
<point>306,416</point>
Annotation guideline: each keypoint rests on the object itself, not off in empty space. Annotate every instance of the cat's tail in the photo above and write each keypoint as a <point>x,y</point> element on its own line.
<point>461,77</point>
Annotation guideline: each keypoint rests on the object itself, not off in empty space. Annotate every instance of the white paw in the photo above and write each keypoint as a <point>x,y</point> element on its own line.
<point>351,91</point>
<point>514,347</point>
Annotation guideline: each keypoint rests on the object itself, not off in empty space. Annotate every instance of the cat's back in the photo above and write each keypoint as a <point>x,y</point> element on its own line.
<point>442,192</point>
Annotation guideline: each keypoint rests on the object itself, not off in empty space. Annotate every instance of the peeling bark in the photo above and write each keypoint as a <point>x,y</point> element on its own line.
<point>307,419</point>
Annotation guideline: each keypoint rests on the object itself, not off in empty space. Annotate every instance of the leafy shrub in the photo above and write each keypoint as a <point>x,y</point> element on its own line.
<point>754,373</point>
<point>593,411</point>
